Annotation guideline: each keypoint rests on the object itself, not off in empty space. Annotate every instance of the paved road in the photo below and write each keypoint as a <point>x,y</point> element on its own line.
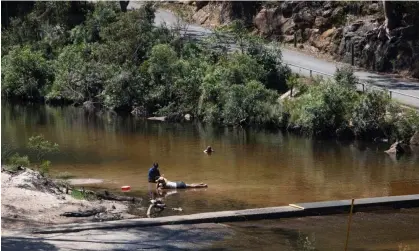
<point>292,57</point>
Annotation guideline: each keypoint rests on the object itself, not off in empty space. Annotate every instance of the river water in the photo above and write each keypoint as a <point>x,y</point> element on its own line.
<point>250,168</point>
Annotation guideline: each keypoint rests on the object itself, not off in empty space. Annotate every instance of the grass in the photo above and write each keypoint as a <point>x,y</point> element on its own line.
<point>78,195</point>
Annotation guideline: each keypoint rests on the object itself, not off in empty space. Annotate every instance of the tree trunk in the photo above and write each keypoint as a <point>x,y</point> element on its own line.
<point>392,20</point>
<point>124,5</point>
<point>108,196</point>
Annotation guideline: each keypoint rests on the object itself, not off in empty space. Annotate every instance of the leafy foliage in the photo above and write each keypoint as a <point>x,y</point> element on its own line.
<point>41,146</point>
<point>323,109</point>
<point>369,114</point>
<point>78,52</point>
<point>25,73</point>
<point>16,160</point>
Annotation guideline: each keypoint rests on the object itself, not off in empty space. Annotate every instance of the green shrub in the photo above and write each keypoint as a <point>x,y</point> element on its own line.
<point>407,124</point>
<point>41,146</point>
<point>369,115</point>
<point>16,160</point>
<point>345,76</point>
<point>251,103</point>
<point>25,73</point>
<point>323,109</point>
<point>44,167</point>
<point>76,194</point>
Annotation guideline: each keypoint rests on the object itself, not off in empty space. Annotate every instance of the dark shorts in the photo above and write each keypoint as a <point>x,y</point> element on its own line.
<point>180,184</point>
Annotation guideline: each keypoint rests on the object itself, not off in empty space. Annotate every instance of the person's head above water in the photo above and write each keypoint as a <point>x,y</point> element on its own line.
<point>156,165</point>
<point>209,149</point>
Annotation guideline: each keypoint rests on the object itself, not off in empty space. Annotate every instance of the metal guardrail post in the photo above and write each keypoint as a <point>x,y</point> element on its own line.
<point>391,95</point>
<point>295,39</point>
<point>373,62</point>
<point>363,84</point>
<point>352,54</point>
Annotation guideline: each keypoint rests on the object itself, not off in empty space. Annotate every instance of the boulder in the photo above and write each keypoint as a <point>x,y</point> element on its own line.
<point>396,148</point>
<point>328,33</point>
<point>201,17</point>
<point>269,21</point>
<point>322,22</point>
<point>286,8</point>
<point>414,140</point>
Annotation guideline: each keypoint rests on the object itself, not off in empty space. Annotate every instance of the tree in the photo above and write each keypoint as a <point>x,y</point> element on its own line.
<point>124,5</point>
<point>25,73</point>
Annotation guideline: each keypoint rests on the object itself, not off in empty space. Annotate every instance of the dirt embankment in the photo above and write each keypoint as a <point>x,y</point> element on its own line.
<point>29,200</point>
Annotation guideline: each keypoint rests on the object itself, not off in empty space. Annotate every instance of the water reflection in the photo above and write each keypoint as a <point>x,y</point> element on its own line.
<point>250,168</point>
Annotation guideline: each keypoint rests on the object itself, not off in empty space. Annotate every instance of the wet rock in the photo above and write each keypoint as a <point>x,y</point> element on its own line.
<point>188,117</point>
<point>157,118</point>
<point>414,140</point>
<point>396,148</point>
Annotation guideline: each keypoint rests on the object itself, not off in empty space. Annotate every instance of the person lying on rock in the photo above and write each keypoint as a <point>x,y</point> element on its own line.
<point>163,183</point>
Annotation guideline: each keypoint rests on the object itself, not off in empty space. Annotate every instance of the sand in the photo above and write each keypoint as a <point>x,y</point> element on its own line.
<point>29,200</point>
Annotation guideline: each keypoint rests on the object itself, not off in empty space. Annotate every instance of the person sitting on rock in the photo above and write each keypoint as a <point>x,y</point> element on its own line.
<point>163,183</point>
<point>209,150</point>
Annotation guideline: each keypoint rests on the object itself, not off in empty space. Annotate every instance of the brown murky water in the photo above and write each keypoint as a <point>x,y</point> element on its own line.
<point>395,230</point>
<point>250,168</point>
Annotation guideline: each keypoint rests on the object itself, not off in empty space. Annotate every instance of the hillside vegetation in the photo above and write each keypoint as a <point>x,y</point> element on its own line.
<point>110,59</point>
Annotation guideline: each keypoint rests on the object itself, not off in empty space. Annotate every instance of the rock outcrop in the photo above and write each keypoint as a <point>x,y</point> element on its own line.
<point>330,27</point>
<point>414,140</point>
<point>396,148</point>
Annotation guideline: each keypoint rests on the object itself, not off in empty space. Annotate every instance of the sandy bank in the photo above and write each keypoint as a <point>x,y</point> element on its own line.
<point>28,199</point>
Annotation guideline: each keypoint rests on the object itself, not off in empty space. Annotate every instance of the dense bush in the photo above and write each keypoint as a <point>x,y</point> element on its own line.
<point>82,52</point>
<point>25,73</point>
<point>369,115</point>
<point>323,109</point>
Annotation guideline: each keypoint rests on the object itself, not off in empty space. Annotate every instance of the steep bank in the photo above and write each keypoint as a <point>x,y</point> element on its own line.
<point>330,28</point>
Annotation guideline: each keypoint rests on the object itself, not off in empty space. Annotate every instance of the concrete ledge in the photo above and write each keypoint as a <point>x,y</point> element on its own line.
<point>294,210</point>
<point>215,217</point>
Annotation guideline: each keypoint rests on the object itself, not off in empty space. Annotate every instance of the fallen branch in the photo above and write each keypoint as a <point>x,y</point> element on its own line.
<point>105,195</point>
<point>86,213</point>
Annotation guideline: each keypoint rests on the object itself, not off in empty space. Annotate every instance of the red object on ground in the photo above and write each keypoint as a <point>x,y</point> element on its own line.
<point>125,188</point>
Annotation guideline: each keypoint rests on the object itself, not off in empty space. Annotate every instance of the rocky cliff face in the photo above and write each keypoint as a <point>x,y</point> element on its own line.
<point>329,27</point>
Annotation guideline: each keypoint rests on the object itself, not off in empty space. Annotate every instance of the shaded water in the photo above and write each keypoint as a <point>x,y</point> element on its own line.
<point>250,168</point>
<point>394,230</point>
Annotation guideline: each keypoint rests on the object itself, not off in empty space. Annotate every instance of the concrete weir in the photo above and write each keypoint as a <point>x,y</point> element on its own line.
<point>292,210</point>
